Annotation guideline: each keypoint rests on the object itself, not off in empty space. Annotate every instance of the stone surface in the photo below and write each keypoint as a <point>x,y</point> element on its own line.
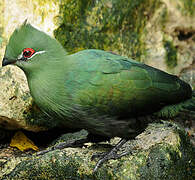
<point>159,33</point>
<point>161,152</point>
<point>15,100</point>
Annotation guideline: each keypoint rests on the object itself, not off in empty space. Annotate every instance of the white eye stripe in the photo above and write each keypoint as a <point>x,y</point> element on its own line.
<point>39,52</point>
<point>20,56</point>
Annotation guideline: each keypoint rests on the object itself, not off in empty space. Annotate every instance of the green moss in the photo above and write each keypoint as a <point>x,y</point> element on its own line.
<point>43,8</point>
<point>47,170</point>
<point>168,161</point>
<point>168,156</point>
<point>188,7</point>
<point>163,162</point>
<point>171,54</point>
<point>164,17</point>
<point>115,25</point>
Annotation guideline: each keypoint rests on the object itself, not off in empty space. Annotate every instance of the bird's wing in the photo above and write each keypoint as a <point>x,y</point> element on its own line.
<point>115,84</point>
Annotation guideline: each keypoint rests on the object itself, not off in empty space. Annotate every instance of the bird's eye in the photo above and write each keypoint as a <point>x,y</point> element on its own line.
<point>28,52</point>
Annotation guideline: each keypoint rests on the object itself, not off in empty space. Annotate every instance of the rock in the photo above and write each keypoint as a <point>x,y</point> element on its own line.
<point>16,107</point>
<point>188,74</point>
<point>163,151</point>
<point>159,33</point>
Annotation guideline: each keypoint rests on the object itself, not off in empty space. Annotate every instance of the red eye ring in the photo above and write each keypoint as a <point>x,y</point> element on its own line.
<point>28,52</point>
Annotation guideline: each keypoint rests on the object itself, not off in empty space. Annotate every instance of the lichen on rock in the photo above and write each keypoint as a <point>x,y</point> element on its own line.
<point>166,156</point>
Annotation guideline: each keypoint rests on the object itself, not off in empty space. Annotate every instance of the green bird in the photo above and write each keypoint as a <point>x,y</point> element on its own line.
<point>106,94</point>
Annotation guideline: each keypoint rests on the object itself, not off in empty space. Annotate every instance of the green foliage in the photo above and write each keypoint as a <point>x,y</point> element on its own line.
<point>116,25</point>
<point>171,54</point>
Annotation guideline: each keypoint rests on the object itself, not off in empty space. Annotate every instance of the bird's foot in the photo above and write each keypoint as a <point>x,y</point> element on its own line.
<point>62,145</point>
<point>103,157</point>
<point>74,143</point>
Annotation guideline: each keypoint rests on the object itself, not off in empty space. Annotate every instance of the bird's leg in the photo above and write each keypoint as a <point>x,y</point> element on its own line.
<point>62,145</point>
<point>109,155</point>
<point>75,143</point>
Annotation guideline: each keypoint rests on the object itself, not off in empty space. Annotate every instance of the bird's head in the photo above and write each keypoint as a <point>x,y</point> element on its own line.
<point>31,49</point>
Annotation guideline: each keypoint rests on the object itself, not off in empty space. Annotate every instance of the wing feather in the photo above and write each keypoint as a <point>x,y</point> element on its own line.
<point>115,85</point>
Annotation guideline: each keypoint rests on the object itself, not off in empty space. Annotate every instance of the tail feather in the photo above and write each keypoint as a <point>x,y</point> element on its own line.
<point>173,110</point>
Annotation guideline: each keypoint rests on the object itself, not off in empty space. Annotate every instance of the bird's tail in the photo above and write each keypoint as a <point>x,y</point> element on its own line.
<point>173,110</point>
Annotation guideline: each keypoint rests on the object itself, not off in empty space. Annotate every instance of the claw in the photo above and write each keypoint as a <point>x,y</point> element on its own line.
<point>102,156</point>
<point>110,155</point>
<point>98,155</point>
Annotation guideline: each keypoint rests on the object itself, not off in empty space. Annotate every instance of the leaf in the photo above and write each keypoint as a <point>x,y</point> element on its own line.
<point>21,142</point>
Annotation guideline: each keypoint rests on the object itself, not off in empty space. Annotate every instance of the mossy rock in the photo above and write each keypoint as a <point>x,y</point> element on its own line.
<point>157,32</point>
<point>110,25</point>
<point>162,151</point>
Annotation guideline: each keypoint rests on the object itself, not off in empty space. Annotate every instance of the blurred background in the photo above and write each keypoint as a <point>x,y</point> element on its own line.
<point>160,33</point>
